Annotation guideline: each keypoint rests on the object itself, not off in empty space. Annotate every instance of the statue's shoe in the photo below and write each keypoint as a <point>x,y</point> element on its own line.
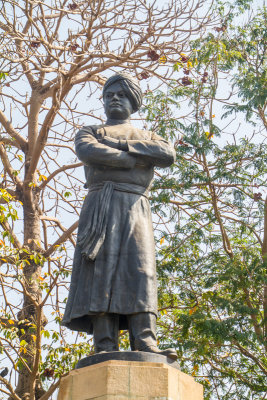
<point>171,353</point>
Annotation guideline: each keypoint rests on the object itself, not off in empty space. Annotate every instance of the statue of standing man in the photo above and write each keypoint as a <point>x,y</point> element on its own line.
<point>113,283</point>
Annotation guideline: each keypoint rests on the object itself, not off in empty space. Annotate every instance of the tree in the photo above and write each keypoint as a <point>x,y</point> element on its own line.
<point>212,232</point>
<point>54,54</point>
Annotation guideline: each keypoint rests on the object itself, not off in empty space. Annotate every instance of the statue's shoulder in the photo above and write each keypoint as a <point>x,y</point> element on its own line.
<point>91,129</point>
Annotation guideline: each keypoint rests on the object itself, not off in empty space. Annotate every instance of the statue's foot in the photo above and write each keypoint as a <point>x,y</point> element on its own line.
<point>106,350</point>
<point>171,353</point>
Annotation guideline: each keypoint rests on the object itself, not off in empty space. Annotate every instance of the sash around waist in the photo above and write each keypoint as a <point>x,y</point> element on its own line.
<point>121,187</point>
<point>92,235</point>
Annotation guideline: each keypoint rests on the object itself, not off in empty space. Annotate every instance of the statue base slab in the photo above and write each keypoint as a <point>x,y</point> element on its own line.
<point>121,380</point>
<point>140,356</point>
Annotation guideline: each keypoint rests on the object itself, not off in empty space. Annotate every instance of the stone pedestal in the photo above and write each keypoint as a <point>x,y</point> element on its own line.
<point>121,380</point>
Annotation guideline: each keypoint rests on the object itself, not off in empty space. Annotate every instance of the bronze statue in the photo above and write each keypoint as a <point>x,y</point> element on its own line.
<point>113,284</point>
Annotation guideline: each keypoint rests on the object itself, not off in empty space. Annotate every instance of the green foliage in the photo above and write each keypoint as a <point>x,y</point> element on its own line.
<point>241,50</point>
<point>61,357</point>
<point>210,212</point>
<point>3,75</point>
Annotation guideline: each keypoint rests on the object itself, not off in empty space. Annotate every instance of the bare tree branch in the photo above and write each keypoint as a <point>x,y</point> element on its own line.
<point>61,239</point>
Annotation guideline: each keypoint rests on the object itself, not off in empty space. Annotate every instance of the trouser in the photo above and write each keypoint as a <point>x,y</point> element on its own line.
<point>142,331</point>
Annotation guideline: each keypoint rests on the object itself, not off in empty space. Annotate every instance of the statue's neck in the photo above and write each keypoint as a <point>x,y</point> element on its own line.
<point>111,121</point>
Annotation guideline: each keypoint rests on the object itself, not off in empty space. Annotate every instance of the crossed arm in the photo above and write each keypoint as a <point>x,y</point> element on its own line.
<point>122,153</point>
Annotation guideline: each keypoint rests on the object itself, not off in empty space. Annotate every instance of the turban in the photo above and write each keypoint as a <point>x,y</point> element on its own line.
<point>130,85</point>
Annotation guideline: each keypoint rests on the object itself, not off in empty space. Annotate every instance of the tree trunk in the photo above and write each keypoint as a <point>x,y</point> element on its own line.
<point>29,386</point>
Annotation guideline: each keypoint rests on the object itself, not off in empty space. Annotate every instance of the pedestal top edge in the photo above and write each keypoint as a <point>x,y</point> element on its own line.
<point>122,363</point>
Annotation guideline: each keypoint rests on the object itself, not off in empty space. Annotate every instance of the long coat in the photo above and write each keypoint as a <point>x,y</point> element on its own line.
<point>120,277</point>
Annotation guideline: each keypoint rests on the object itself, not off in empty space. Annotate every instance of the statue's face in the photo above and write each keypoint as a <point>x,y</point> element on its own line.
<point>116,103</point>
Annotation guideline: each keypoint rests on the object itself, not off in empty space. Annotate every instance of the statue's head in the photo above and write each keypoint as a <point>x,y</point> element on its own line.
<point>122,96</point>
